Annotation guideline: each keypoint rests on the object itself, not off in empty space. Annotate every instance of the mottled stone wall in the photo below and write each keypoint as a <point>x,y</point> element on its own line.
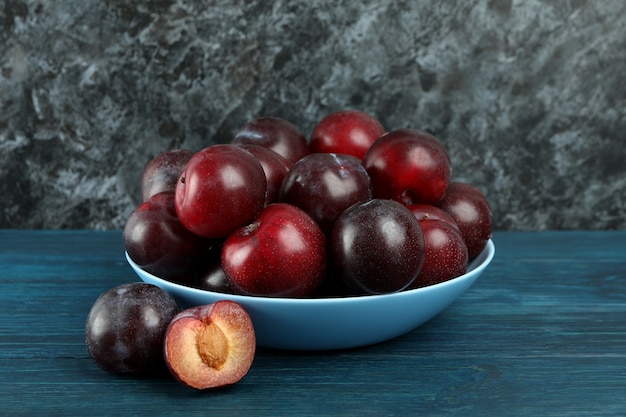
<point>529,97</point>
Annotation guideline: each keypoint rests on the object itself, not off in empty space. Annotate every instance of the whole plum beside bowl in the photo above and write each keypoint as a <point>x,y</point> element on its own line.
<point>335,322</point>
<point>126,327</point>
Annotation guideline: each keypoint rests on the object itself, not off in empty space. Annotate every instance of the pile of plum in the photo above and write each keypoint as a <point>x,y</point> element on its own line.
<point>355,210</point>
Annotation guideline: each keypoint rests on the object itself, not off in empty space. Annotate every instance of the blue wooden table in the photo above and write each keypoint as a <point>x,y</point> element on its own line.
<point>541,333</point>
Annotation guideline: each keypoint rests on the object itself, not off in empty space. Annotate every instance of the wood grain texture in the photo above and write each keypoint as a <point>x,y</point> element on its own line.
<point>542,332</point>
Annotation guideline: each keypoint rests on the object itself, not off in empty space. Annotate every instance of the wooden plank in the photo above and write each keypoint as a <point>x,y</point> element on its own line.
<point>542,332</point>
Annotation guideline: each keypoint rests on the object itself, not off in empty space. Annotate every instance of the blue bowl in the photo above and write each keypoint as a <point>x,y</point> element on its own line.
<point>335,323</point>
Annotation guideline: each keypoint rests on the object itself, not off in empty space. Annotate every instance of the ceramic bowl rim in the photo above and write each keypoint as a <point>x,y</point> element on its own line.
<point>475,267</point>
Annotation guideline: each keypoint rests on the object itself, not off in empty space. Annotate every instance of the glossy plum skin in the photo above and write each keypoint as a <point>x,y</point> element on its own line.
<point>161,173</point>
<point>408,166</point>
<point>281,254</point>
<point>274,166</point>
<point>324,185</point>
<point>276,134</point>
<point>222,188</point>
<point>349,132</point>
<point>429,212</point>
<point>377,247</point>
<point>446,253</point>
<point>211,276</point>
<point>126,327</point>
<point>157,241</point>
<point>469,207</point>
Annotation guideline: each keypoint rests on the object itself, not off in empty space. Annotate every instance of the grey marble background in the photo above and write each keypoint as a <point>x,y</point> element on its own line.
<point>529,97</point>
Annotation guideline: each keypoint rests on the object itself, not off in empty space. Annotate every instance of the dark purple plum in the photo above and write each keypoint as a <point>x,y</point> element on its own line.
<point>276,134</point>
<point>211,275</point>
<point>469,207</point>
<point>324,185</point>
<point>126,327</point>
<point>377,247</point>
<point>213,278</point>
<point>157,241</point>
<point>274,166</point>
<point>162,172</point>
